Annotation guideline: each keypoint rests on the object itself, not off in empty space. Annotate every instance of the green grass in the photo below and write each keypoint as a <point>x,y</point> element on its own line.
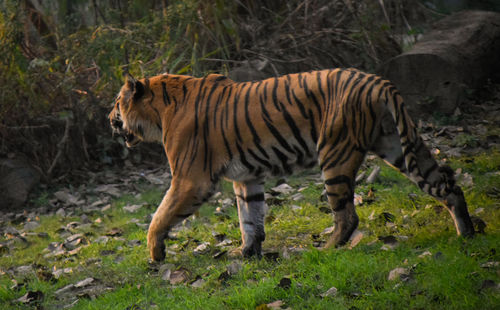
<point>450,278</point>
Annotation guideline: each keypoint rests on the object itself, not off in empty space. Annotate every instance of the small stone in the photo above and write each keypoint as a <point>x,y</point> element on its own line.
<point>223,243</point>
<point>297,197</point>
<point>275,304</point>
<point>201,249</point>
<point>331,292</point>
<point>198,283</point>
<point>132,208</point>
<point>296,208</point>
<point>425,254</point>
<point>491,264</point>
<point>84,282</point>
<point>327,230</point>
<point>398,273</point>
<point>373,175</point>
<point>282,189</point>
<point>355,238</point>
<point>64,289</point>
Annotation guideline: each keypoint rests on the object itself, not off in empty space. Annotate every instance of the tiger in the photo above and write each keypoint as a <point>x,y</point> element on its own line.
<point>214,128</point>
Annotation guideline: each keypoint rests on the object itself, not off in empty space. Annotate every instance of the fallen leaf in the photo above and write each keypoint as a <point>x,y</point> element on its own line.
<point>178,276</point>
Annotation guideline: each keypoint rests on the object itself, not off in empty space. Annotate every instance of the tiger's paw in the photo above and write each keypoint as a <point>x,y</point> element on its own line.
<point>156,248</point>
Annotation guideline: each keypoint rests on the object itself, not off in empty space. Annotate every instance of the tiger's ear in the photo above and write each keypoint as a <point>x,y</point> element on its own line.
<point>138,89</point>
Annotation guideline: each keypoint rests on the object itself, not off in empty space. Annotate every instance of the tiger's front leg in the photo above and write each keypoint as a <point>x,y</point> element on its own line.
<point>251,212</point>
<point>180,201</point>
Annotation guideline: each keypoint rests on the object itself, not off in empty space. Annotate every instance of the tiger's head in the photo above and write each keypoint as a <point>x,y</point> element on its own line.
<point>133,114</point>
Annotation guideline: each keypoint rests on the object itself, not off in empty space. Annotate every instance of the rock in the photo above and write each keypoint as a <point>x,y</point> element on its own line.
<point>24,270</point>
<point>234,267</point>
<point>17,180</point>
<point>460,52</point>
<point>31,225</point>
<point>61,212</point>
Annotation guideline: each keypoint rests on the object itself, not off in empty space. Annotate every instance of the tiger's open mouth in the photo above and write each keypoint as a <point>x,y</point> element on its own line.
<point>130,139</point>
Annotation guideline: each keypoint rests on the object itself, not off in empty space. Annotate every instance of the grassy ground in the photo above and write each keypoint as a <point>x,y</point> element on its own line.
<point>401,227</point>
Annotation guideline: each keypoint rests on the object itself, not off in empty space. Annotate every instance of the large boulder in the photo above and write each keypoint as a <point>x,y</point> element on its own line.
<point>17,179</point>
<point>460,52</point>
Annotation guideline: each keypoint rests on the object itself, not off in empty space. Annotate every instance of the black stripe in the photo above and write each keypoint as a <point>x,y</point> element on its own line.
<point>256,138</point>
<point>314,134</point>
<point>274,95</point>
<point>274,131</point>
<point>295,130</point>
<point>339,179</point>
<point>166,98</point>
<point>235,111</point>
<point>252,198</point>
<point>260,160</point>
<point>284,160</point>
<point>243,159</point>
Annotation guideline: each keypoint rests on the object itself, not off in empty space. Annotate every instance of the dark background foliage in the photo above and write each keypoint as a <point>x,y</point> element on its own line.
<point>62,60</point>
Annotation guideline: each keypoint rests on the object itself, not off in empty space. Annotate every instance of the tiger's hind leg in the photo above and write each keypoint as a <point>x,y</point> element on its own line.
<point>180,201</point>
<point>424,171</point>
<point>339,184</point>
<point>251,212</point>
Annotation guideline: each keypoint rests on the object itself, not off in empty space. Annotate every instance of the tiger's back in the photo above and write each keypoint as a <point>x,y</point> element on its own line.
<point>213,127</point>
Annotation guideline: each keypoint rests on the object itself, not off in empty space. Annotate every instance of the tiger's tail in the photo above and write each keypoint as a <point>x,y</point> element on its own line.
<point>416,161</point>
